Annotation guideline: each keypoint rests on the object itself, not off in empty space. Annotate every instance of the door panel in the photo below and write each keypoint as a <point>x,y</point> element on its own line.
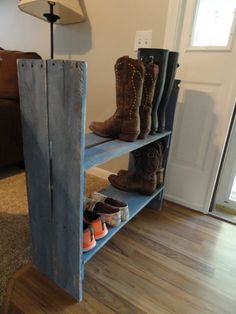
<point>203,113</point>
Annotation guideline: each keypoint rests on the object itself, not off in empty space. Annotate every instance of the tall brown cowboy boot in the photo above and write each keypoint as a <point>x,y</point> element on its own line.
<point>144,179</point>
<point>145,110</point>
<point>125,122</point>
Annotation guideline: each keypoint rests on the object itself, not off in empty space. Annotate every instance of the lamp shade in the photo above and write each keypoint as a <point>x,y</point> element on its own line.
<point>69,11</point>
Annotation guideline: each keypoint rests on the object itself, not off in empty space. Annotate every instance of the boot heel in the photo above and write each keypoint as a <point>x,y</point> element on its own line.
<point>128,137</point>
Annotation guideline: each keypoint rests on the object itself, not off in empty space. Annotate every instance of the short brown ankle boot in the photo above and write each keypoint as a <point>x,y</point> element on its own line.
<point>145,110</point>
<point>144,179</point>
<point>125,122</point>
<point>160,170</point>
<point>139,163</point>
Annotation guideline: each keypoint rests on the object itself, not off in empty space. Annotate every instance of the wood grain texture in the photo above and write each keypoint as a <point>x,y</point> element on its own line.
<point>66,107</point>
<point>53,95</point>
<point>173,261</point>
<point>135,201</point>
<point>97,155</point>
<point>33,99</point>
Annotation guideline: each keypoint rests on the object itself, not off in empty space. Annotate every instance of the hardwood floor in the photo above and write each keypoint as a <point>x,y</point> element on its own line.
<point>174,261</point>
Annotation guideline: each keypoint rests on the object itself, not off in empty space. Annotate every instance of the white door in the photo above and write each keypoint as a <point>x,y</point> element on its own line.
<point>208,72</point>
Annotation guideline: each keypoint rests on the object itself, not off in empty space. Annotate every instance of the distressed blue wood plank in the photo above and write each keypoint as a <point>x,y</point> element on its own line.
<point>34,116</point>
<point>106,151</point>
<point>66,103</point>
<point>135,202</point>
<point>93,140</point>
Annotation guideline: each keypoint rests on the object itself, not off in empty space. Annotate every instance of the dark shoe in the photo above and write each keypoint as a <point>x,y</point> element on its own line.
<point>125,123</point>
<point>145,110</point>
<point>169,83</point>
<point>159,57</point>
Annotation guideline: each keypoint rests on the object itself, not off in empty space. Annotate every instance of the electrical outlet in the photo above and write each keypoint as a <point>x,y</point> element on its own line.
<point>143,39</point>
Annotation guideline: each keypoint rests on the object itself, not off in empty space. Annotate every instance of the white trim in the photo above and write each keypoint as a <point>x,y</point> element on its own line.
<point>99,172</point>
<point>174,23</point>
<point>180,201</point>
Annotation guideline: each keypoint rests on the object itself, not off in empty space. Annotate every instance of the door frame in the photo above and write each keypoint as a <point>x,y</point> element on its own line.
<point>174,21</point>
<point>231,125</point>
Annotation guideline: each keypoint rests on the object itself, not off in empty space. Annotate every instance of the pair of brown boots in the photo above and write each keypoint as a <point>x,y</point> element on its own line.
<point>148,174</point>
<point>135,84</point>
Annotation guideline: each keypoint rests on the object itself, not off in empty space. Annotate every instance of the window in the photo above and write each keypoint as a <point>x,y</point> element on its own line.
<point>214,23</point>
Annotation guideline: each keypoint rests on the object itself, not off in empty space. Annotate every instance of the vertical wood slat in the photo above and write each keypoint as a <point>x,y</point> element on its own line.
<point>66,132</point>
<point>53,116</point>
<point>33,99</point>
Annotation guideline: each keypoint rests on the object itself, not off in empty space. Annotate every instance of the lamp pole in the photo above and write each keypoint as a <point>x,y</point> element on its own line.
<point>52,18</point>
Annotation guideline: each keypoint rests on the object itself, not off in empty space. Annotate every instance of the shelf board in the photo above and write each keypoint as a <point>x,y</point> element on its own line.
<point>92,139</point>
<point>100,150</point>
<point>135,202</point>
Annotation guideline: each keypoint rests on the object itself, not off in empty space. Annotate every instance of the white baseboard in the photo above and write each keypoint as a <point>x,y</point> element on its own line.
<point>99,172</point>
<point>179,201</point>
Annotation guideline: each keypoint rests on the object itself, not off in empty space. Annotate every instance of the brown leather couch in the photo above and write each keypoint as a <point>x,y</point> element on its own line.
<point>11,148</point>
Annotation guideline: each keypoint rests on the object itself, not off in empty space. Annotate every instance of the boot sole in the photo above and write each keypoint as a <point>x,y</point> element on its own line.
<point>128,137</point>
<point>117,186</point>
<point>100,133</point>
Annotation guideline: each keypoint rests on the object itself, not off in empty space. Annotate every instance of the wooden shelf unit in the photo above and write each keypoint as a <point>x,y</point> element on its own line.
<point>57,154</point>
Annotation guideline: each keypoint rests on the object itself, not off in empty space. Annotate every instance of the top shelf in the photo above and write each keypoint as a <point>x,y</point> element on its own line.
<point>99,150</point>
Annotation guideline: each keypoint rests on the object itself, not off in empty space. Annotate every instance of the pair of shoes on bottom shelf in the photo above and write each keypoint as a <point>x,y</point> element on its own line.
<point>111,210</point>
<point>94,228</point>
<point>100,211</point>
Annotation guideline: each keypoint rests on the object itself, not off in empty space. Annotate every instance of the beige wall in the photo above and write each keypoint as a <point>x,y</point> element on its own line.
<point>107,34</point>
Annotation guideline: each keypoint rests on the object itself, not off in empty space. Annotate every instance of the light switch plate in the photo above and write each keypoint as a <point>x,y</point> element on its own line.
<point>143,39</point>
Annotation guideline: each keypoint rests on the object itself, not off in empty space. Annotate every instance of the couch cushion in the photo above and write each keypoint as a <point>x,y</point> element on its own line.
<point>11,148</point>
<point>8,72</point>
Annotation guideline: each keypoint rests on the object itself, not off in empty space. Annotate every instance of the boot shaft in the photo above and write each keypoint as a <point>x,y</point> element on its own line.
<point>145,111</point>
<point>169,84</point>
<point>159,57</point>
<point>147,161</point>
<point>129,86</point>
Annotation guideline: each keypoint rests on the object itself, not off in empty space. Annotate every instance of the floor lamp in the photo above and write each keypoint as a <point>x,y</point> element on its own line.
<point>55,12</point>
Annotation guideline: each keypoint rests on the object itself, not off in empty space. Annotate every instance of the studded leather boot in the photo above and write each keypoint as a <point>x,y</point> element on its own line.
<point>144,179</point>
<point>159,57</point>
<point>145,110</point>
<point>125,122</point>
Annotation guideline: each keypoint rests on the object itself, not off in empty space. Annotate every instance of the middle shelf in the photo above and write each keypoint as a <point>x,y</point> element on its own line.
<point>135,201</point>
<point>99,150</point>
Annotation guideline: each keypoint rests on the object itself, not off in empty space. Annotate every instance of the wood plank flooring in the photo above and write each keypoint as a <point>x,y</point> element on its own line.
<point>174,261</point>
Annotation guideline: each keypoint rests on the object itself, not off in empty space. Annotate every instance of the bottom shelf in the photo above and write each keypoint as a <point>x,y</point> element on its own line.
<point>135,202</point>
